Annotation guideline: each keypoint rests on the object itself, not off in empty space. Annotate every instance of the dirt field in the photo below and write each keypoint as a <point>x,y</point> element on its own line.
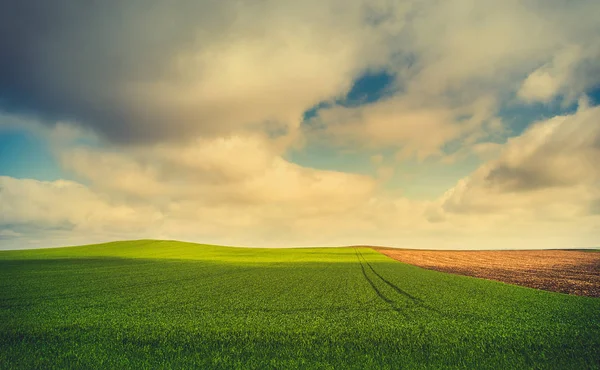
<point>572,272</point>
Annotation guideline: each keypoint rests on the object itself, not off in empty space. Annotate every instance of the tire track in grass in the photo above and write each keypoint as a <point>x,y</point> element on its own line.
<point>417,301</point>
<point>390,284</point>
<point>373,286</point>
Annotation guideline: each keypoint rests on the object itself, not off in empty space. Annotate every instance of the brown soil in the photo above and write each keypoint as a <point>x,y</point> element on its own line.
<point>564,271</point>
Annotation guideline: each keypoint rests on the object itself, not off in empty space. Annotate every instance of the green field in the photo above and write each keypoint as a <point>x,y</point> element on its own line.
<point>164,304</point>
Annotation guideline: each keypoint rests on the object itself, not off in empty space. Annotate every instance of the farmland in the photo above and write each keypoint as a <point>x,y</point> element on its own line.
<point>149,304</point>
<point>564,271</point>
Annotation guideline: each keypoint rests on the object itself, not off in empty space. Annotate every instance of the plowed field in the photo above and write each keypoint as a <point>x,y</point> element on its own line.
<point>565,271</point>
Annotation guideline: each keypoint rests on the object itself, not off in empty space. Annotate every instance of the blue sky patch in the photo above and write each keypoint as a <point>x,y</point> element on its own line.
<point>518,117</point>
<point>594,95</point>
<point>327,158</point>
<point>24,155</point>
<point>366,89</point>
<point>312,112</point>
<point>369,88</point>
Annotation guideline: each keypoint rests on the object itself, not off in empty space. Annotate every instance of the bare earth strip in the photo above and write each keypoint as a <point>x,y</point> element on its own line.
<point>564,271</point>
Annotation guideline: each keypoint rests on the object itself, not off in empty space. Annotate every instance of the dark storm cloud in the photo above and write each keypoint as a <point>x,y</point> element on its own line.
<point>72,60</point>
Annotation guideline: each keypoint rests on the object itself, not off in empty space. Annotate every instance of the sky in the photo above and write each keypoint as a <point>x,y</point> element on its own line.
<point>435,124</point>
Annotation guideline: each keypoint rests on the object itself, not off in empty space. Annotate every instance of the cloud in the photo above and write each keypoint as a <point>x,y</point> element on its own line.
<point>560,152</point>
<point>415,127</point>
<point>65,205</point>
<point>456,63</point>
<point>552,166</point>
<point>128,196</point>
<point>147,71</point>
<point>235,170</point>
<point>8,233</point>
<point>175,120</point>
<point>567,74</point>
<point>464,46</point>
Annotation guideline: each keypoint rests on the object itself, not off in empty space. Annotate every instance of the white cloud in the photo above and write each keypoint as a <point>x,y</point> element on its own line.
<point>66,205</point>
<point>549,171</point>
<point>549,80</point>
<point>415,127</point>
<point>456,61</point>
<point>465,46</point>
<point>235,170</point>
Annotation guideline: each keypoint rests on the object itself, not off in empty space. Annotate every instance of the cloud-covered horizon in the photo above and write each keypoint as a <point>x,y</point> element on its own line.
<point>418,124</point>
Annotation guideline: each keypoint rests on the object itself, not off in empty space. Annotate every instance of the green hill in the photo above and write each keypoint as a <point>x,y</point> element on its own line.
<point>166,304</point>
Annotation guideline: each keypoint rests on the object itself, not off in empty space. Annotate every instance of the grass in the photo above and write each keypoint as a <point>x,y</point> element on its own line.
<point>164,304</point>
